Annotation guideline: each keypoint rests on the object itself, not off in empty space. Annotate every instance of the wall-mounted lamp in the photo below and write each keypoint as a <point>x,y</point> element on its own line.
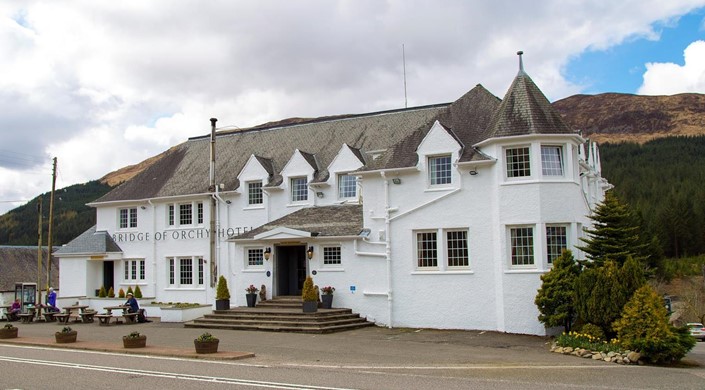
<point>396,180</point>
<point>319,194</point>
<point>309,253</point>
<point>143,207</point>
<point>473,172</point>
<point>267,253</point>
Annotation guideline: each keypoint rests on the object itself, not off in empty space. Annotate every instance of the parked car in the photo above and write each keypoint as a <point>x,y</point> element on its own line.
<point>697,330</point>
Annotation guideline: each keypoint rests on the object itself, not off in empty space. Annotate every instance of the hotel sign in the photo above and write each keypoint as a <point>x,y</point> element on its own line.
<point>178,234</point>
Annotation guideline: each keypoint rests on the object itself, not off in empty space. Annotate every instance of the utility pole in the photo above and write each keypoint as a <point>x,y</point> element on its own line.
<point>39,250</point>
<point>51,224</point>
<point>211,188</point>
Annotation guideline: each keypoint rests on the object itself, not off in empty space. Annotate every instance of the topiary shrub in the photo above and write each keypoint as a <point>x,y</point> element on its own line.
<point>644,327</point>
<point>129,290</point>
<point>308,294</point>
<point>121,293</point>
<point>138,292</point>
<point>222,291</point>
<point>102,293</point>
<point>111,293</point>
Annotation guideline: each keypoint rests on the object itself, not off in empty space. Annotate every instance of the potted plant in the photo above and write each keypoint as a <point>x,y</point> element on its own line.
<point>134,340</point>
<point>251,295</point>
<point>206,343</point>
<point>8,332</point>
<point>67,335</point>
<point>309,296</point>
<point>327,296</point>
<point>222,295</point>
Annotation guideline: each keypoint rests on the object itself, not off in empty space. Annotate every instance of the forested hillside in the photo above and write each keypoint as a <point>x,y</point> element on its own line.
<point>71,215</point>
<point>663,181</point>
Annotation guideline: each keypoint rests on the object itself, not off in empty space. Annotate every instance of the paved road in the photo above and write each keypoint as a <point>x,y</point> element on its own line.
<point>372,358</point>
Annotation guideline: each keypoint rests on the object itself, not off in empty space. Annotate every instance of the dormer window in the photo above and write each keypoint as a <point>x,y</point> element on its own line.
<point>299,189</point>
<point>347,186</point>
<point>439,172</point>
<point>518,162</point>
<point>254,193</point>
<point>551,160</point>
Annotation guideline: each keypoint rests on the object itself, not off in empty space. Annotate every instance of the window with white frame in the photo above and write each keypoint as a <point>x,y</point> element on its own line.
<point>522,245</point>
<point>299,189</point>
<point>426,250</point>
<point>556,241</point>
<point>183,214</point>
<point>332,255</point>
<point>439,170</point>
<point>127,218</point>
<point>187,271</point>
<point>457,248</point>
<point>134,270</point>
<point>518,162</point>
<point>551,160</point>
<point>254,193</point>
<point>347,186</point>
<point>255,257</point>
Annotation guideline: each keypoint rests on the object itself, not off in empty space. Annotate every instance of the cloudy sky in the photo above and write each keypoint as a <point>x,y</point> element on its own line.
<point>103,84</point>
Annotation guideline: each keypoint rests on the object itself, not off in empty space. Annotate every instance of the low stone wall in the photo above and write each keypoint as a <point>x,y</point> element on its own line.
<point>625,357</point>
<point>174,314</point>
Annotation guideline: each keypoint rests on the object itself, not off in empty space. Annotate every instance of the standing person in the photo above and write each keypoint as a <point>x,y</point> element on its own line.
<point>51,300</point>
<point>134,307</point>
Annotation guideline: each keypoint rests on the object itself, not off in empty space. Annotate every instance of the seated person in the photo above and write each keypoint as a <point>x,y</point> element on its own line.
<point>51,300</point>
<point>15,309</point>
<point>134,307</point>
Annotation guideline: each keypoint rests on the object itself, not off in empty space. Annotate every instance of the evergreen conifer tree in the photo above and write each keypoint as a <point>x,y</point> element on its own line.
<point>556,299</point>
<point>614,235</point>
<point>138,292</point>
<point>644,327</point>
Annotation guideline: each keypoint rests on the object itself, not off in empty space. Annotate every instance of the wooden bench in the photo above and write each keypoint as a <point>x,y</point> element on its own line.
<point>11,317</point>
<point>87,316</point>
<point>62,317</point>
<point>104,319</point>
<point>49,316</point>
<point>130,318</point>
<point>26,317</point>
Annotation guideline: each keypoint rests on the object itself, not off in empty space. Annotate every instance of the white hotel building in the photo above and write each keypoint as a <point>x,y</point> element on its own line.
<point>442,216</point>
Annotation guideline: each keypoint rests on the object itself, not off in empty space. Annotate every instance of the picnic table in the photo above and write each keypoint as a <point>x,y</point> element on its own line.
<point>67,312</point>
<point>6,310</point>
<point>105,318</point>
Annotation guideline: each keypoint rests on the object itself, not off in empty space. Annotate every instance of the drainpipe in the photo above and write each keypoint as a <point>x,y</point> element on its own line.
<point>216,196</point>
<point>388,246</point>
<point>211,188</point>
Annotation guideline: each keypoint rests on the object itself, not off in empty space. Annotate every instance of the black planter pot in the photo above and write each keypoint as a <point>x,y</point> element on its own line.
<point>222,304</point>
<point>251,299</point>
<point>326,301</point>
<point>310,306</point>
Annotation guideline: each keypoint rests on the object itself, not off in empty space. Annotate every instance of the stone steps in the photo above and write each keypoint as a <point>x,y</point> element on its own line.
<point>281,314</point>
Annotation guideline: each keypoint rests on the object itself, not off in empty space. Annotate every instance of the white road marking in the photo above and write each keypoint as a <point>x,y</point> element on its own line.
<point>171,375</point>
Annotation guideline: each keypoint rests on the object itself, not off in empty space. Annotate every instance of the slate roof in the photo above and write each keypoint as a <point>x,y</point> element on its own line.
<point>19,264</point>
<point>525,110</point>
<point>90,241</point>
<point>323,221</point>
<point>474,117</point>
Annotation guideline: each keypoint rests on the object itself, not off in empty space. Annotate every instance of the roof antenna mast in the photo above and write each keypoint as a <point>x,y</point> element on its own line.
<point>403,61</point>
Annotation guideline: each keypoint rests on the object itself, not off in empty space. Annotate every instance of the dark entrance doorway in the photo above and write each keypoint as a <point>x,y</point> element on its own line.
<point>108,275</point>
<point>290,269</point>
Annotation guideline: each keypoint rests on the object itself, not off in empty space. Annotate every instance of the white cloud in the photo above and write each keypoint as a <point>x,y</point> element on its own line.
<point>102,84</point>
<point>669,78</point>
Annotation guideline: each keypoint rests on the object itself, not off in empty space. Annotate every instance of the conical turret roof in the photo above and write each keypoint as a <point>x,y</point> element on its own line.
<point>525,110</point>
